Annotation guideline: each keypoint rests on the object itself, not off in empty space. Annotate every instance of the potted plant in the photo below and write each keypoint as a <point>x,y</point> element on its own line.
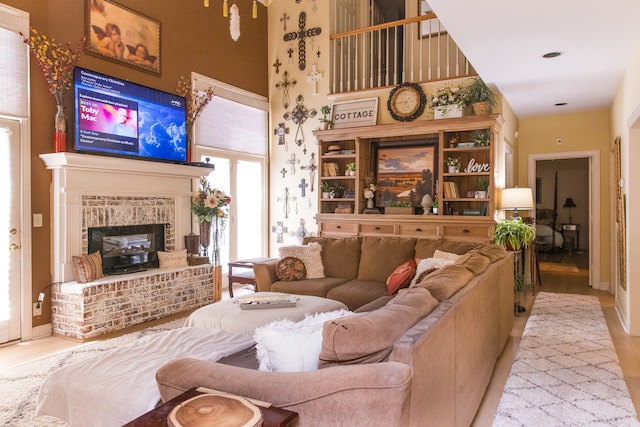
<point>513,234</point>
<point>399,207</point>
<point>480,137</point>
<point>325,110</point>
<point>480,97</point>
<point>453,164</point>
<point>328,192</point>
<point>447,102</point>
<point>482,187</point>
<point>351,169</point>
<point>434,207</point>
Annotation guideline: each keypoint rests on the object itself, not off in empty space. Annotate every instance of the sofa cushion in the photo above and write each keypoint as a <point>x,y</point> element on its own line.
<point>475,262</point>
<point>288,346</point>
<point>493,252</point>
<point>340,257</point>
<point>356,293</point>
<point>381,255</point>
<point>317,287</point>
<point>427,266</point>
<point>447,281</point>
<point>290,268</point>
<point>425,248</point>
<point>375,304</point>
<point>309,254</point>
<point>87,268</point>
<point>369,337</point>
<point>401,276</point>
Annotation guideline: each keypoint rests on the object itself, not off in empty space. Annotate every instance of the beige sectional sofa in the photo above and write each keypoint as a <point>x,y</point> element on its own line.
<point>374,368</point>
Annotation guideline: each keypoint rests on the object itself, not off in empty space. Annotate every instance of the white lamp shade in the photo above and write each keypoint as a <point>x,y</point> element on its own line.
<point>516,198</point>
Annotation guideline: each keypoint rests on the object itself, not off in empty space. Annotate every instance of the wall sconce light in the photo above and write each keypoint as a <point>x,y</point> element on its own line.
<point>569,204</point>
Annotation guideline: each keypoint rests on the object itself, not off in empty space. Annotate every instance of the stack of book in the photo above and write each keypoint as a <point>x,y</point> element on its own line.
<point>451,190</point>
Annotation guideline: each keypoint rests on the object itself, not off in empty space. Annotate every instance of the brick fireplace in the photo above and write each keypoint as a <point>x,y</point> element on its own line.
<point>96,191</point>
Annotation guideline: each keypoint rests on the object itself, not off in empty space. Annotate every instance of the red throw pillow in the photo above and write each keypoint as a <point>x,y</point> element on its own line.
<point>290,268</point>
<point>401,276</point>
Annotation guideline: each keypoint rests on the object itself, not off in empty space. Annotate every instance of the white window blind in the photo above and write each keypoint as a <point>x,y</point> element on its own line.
<point>14,66</point>
<point>234,120</point>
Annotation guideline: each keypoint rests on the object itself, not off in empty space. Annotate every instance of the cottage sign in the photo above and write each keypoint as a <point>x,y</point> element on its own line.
<point>477,167</point>
<point>360,112</point>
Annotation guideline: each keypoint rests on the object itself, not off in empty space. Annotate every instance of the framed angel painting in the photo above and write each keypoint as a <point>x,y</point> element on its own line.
<point>120,34</point>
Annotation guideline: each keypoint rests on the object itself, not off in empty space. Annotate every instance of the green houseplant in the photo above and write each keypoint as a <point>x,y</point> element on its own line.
<point>480,97</point>
<point>513,234</point>
<point>325,110</point>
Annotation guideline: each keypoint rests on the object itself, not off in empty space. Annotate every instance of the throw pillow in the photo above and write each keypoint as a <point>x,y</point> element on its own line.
<point>401,276</point>
<point>290,268</point>
<point>311,256</point>
<point>427,266</point>
<point>369,337</point>
<point>87,268</point>
<point>445,255</point>
<point>288,346</point>
<point>172,259</point>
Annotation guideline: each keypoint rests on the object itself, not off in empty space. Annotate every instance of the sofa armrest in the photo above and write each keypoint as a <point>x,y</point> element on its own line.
<point>265,273</point>
<point>327,396</point>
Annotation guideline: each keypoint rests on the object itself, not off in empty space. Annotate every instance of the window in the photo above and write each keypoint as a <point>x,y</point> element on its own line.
<point>232,133</point>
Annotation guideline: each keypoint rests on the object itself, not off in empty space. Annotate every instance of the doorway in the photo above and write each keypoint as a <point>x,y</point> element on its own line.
<point>567,191</point>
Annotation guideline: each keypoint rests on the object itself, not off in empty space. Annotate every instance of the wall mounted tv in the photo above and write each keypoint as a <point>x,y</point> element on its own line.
<point>118,118</point>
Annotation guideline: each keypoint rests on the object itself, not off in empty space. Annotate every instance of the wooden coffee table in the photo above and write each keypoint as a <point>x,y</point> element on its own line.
<point>272,416</point>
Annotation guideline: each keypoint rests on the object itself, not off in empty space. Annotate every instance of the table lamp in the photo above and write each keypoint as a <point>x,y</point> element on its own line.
<point>516,198</point>
<point>569,204</point>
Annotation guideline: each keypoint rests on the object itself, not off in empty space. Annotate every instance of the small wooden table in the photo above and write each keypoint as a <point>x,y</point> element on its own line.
<point>272,416</point>
<point>244,277</point>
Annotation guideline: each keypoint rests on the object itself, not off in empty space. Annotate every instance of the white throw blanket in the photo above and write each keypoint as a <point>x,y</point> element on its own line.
<point>120,385</point>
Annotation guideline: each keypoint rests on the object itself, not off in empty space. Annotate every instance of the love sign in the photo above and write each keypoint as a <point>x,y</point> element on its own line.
<point>477,167</point>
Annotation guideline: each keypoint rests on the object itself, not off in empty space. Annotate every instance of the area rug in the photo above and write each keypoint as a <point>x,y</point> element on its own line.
<point>19,386</point>
<point>558,268</point>
<point>566,371</point>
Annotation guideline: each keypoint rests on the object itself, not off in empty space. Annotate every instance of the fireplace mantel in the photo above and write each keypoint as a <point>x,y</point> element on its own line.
<point>76,175</point>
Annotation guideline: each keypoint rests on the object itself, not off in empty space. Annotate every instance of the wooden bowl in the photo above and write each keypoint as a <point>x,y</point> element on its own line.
<point>215,410</point>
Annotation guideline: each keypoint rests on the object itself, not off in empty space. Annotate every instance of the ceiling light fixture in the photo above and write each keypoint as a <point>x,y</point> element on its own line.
<point>225,7</point>
<point>551,55</point>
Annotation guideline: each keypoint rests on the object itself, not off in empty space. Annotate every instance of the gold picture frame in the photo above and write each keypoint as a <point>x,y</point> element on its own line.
<point>119,34</point>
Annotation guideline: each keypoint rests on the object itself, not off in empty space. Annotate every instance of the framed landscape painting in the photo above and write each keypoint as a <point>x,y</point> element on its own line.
<point>119,34</point>
<point>405,171</point>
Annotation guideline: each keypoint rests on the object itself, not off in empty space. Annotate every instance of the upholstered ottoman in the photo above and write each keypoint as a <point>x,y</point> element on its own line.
<point>228,316</point>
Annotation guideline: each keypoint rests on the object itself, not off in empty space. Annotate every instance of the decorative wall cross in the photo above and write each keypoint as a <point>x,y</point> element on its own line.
<point>281,131</point>
<point>284,20</point>
<point>303,187</point>
<point>311,167</point>
<point>293,162</point>
<point>301,232</point>
<point>301,36</point>
<point>277,64</point>
<point>285,84</point>
<point>286,199</point>
<point>290,54</point>
<point>283,171</point>
<point>279,228</point>
<point>299,115</point>
<point>313,77</point>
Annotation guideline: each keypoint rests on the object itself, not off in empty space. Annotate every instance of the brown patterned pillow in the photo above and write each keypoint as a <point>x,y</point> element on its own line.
<point>87,267</point>
<point>290,268</point>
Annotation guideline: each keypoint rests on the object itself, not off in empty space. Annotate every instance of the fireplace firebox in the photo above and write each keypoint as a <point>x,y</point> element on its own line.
<point>128,248</point>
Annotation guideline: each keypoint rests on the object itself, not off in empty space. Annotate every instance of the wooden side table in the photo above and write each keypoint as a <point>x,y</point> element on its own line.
<point>157,417</point>
<point>244,277</point>
<point>572,228</point>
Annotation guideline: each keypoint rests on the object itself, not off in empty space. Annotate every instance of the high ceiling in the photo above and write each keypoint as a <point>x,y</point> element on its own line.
<point>505,41</point>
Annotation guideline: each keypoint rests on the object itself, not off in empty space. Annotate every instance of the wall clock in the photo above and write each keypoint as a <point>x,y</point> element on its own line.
<point>406,102</point>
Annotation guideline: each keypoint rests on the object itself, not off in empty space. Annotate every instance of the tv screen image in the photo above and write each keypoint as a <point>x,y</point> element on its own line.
<point>117,117</point>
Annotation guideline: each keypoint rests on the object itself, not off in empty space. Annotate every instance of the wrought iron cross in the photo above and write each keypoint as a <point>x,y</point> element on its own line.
<point>286,199</point>
<point>303,187</point>
<point>277,64</point>
<point>284,20</point>
<point>281,131</point>
<point>299,115</point>
<point>301,232</point>
<point>285,84</point>
<point>293,162</point>
<point>311,167</point>
<point>283,171</point>
<point>301,35</point>
<point>314,76</point>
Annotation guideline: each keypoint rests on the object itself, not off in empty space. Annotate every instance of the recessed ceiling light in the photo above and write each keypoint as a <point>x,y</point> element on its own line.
<point>560,104</point>
<point>551,55</point>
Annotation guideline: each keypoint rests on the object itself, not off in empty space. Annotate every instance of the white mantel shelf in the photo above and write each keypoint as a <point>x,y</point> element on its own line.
<point>115,164</point>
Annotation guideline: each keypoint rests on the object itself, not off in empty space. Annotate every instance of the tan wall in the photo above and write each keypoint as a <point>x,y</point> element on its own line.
<point>195,39</point>
<point>583,131</point>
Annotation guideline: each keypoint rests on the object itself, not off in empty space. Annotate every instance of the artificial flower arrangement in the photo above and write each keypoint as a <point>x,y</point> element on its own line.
<point>210,204</point>
<point>447,96</point>
<point>369,191</point>
<point>196,101</point>
<point>56,61</point>
<point>453,161</point>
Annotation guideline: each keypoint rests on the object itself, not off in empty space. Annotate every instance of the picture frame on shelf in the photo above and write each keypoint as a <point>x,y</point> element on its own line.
<point>117,33</point>
<point>405,170</point>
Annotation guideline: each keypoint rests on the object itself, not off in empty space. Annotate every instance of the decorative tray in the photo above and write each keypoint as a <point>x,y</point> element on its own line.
<point>274,301</point>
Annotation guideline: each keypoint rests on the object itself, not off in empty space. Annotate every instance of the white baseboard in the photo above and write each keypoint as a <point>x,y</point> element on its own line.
<point>41,331</point>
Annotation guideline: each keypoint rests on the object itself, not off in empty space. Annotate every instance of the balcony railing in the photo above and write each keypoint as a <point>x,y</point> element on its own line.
<point>415,49</point>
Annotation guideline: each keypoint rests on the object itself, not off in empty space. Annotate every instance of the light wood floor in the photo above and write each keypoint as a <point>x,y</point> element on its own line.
<point>627,347</point>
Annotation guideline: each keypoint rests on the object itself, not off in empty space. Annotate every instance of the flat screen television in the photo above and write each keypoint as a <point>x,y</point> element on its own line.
<point>119,118</point>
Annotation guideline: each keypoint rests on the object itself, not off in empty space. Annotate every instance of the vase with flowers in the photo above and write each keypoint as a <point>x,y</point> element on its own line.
<point>211,207</point>
<point>369,193</point>
<point>56,61</point>
<point>448,102</point>
<point>196,101</point>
